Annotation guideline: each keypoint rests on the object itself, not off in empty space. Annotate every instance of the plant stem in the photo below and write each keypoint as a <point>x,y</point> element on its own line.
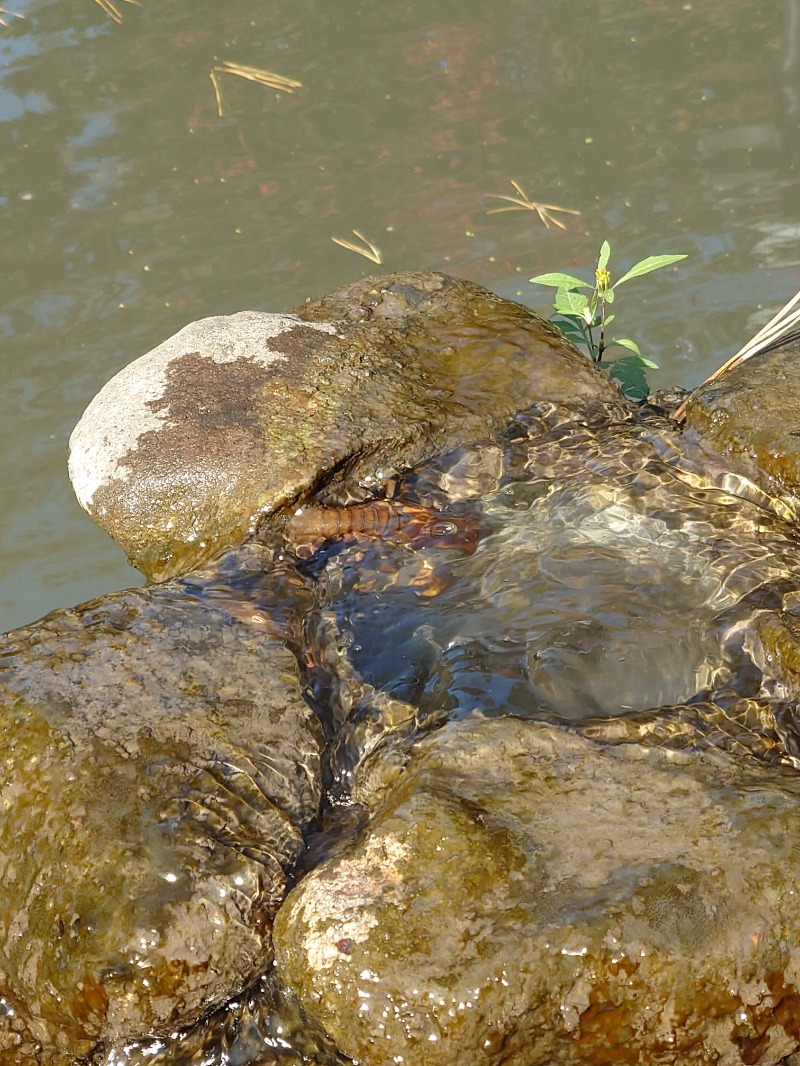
<point>592,345</point>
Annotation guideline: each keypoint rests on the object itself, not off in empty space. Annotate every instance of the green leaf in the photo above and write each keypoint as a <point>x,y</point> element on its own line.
<point>573,338</point>
<point>569,329</point>
<point>570,303</point>
<point>634,347</point>
<point>608,296</point>
<point>625,343</point>
<point>629,373</point>
<point>633,360</point>
<point>610,319</point>
<point>605,252</point>
<point>560,281</point>
<point>644,266</point>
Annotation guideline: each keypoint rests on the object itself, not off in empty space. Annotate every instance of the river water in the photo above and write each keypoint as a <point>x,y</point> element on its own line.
<point>129,206</point>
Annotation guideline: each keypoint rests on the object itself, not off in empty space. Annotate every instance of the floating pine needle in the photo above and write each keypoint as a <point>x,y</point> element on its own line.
<point>781,327</point>
<point>112,10</point>
<point>371,252</point>
<point>263,77</point>
<point>522,203</point>
<point>5,13</point>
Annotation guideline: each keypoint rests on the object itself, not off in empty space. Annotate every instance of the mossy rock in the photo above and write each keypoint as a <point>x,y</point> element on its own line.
<point>524,897</point>
<point>189,448</point>
<point>160,770</point>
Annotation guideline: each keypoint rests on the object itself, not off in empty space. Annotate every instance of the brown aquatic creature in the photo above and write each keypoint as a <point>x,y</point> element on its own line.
<point>407,524</point>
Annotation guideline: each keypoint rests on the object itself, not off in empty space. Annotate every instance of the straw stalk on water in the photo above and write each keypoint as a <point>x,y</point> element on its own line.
<point>523,203</point>
<point>112,10</point>
<point>371,252</point>
<point>6,14</point>
<point>262,77</point>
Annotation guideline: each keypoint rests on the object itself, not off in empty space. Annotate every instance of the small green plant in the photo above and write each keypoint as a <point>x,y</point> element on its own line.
<point>583,318</point>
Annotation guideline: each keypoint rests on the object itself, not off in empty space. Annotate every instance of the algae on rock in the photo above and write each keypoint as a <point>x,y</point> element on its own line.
<point>512,902</point>
<point>160,769</point>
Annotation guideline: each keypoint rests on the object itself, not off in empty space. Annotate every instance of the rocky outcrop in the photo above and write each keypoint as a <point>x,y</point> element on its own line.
<point>190,447</point>
<point>748,415</point>
<point>525,897</point>
<point>160,770</point>
<point>162,767</point>
<point>601,879</point>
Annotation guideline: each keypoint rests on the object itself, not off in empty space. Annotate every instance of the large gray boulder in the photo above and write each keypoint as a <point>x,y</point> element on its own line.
<point>190,447</point>
<point>512,902</point>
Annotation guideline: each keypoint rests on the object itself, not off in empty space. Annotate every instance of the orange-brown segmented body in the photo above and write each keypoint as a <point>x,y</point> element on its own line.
<point>416,527</point>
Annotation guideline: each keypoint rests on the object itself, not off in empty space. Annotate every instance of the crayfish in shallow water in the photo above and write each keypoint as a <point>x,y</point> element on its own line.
<point>407,524</point>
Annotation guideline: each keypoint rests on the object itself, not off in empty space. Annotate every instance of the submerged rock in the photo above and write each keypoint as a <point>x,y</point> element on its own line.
<point>616,571</point>
<point>188,448</point>
<point>525,897</point>
<point>160,770</point>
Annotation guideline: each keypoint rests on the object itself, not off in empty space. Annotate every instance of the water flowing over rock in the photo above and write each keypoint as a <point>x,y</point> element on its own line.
<point>188,448</point>
<point>525,897</point>
<point>497,767</point>
<point>160,769</point>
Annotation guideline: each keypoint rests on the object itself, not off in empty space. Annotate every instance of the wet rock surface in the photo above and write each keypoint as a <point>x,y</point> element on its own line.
<point>748,417</point>
<point>188,449</point>
<point>523,896</point>
<point>160,769</point>
<point>522,734</point>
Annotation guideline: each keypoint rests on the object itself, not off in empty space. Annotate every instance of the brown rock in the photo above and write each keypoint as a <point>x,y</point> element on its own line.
<point>526,898</point>
<point>187,449</point>
<point>749,417</point>
<point>160,768</point>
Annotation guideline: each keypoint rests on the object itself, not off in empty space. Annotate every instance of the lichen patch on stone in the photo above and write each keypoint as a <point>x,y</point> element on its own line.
<point>131,405</point>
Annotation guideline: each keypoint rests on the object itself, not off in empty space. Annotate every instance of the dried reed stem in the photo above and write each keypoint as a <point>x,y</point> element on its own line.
<point>371,252</point>
<point>256,74</point>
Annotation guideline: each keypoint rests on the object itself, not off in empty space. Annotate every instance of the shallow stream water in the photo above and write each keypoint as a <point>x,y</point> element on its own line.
<point>602,581</point>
